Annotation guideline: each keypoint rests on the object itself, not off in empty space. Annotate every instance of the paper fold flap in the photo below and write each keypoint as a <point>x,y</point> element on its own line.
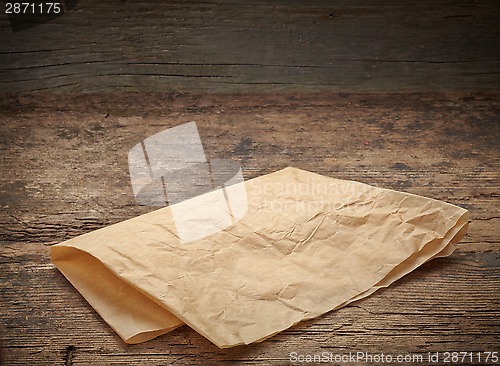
<point>307,244</point>
<point>132,315</point>
<point>433,250</point>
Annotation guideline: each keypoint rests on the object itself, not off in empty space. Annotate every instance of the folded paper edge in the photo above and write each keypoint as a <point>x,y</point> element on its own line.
<point>447,247</point>
<point>453,236</point>
<point>94,281</point>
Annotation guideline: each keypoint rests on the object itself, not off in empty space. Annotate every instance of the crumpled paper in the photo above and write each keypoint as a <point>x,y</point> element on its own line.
<point>307,245</point>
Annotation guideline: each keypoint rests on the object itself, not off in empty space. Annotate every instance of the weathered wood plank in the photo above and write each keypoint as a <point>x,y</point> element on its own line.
<point>448,304</point>
<point>447,150</point>
<point>64,172</point>
<point>236,46</point>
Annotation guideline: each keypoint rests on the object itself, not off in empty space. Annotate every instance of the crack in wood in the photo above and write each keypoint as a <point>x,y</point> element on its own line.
<point>68,359</point>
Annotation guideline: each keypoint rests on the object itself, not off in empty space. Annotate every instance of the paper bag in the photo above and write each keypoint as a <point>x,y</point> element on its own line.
<point>308,244</point>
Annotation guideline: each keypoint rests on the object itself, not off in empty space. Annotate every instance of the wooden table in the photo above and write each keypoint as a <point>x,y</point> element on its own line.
<point>65,173</point>
<point>403,97</point>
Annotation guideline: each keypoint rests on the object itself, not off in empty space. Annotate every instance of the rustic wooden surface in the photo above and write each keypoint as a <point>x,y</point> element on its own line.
<point>64,173</point>
<point>243,45</point>
<point>324,86</point>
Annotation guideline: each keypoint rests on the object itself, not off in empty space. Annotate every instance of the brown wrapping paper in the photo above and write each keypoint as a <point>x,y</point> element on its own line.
<point>308,244</point>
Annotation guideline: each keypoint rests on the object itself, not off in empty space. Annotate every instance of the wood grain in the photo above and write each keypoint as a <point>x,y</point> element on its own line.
<point>241,46</point>
<point>64,173</point>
